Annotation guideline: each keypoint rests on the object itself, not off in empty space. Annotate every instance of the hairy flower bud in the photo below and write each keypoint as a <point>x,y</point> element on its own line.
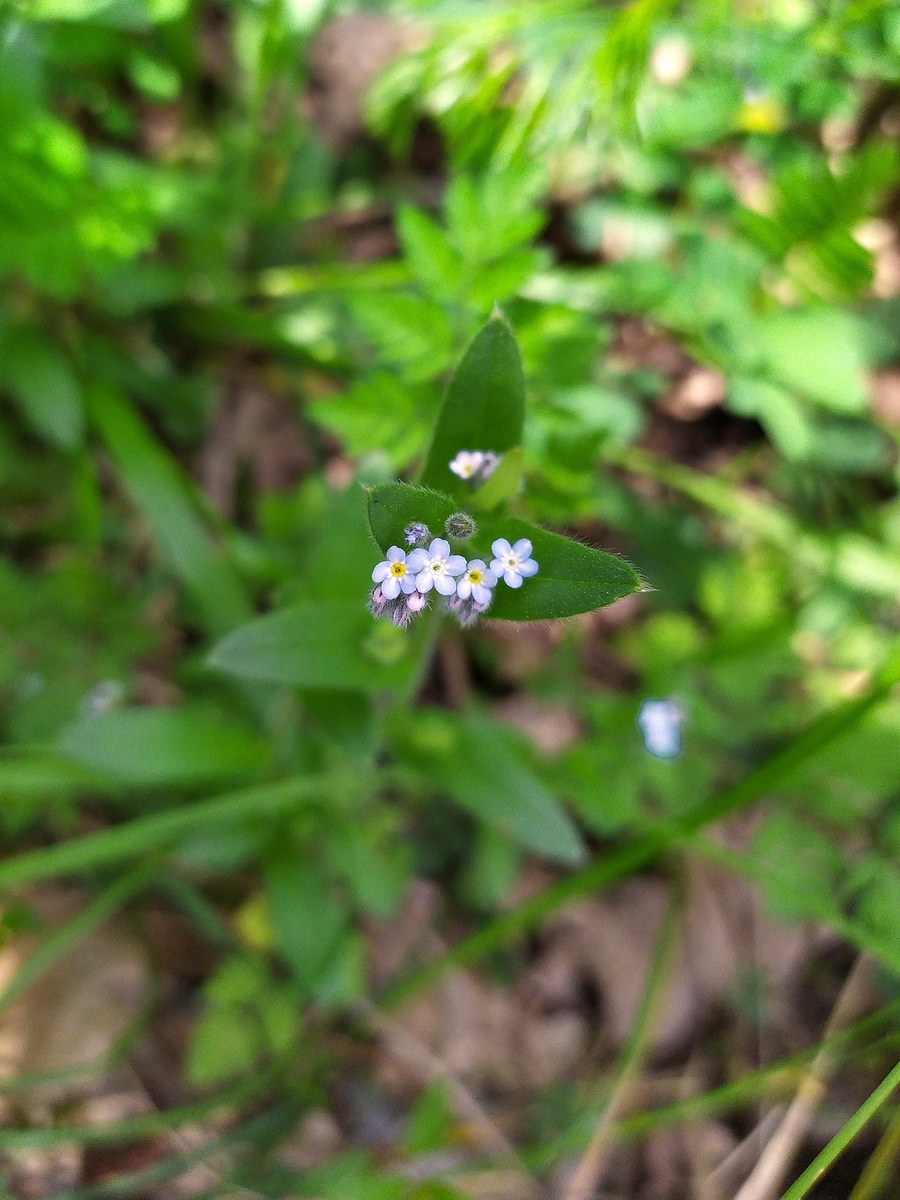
<point>460,526</point>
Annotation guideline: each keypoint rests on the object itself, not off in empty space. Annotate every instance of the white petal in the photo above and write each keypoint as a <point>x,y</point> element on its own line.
<point>528,568</point>
<point>464,589</point>
<point>391,587</point>
<point>522,548</point>
<point>476,565</point>
<point>395,554</point>
<point>455,564</point>
<point>445,585</point>
<point>501,547</point>
<point>408,583</point>
<point>416,561</point>
<point>439,548</point>
<point>513,579</point>
<point>380,571</point>
<point>424,580</point>
<point>489,579</point>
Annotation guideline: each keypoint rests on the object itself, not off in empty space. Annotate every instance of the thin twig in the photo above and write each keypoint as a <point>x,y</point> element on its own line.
<point>766,1177</point>
<point>589,1172</point>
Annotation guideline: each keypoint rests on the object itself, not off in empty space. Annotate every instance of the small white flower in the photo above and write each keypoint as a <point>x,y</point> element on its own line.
<point>513,563</point>
<point>467,463</point>
<point>489,464</point>
<point>397,573</point>
<point>660,724</point>
<point>477,583</point>
<point>437,568</point>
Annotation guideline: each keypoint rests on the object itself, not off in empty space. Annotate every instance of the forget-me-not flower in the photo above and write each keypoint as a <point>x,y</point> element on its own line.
<point>477,583</point>
<point>437,568</point>
<point>513,563</point>
<point>398,572</point>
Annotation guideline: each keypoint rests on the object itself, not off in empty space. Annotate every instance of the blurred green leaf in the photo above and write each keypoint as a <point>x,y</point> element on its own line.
<point>163,496</point>
<point>312,646</point>
<point>819,352</point>
<point>163,746</point>
<point>484,767</point>
<point>41,378</point>
<point>432,260</point>
<point>309,919</point>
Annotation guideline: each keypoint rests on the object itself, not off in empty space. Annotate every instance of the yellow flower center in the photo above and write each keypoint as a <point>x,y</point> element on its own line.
<point>398,570</point>
<point>474,577</point>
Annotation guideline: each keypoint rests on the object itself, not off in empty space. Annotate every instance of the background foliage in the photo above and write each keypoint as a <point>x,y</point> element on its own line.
<point>236,282</point>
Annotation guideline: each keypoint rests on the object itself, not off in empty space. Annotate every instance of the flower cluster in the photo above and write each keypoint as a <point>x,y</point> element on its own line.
<point>404,580</point>
<point>474,465</point>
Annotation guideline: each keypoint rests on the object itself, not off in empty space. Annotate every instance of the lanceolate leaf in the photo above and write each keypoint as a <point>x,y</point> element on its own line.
<point>484,408</point>
<point>393,506</point>
<point>572,578</point>
<point>484,767</point>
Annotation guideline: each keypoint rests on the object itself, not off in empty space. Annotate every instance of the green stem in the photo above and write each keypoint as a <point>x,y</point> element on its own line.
<point>841,1140</point>
<point>877,1171</point>
<point>158,830</point>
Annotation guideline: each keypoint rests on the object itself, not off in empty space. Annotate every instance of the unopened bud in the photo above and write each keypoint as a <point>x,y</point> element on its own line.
<point>460,526</point>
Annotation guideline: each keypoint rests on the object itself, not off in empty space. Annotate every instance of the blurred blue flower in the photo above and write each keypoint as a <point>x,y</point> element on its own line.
<point>660,724</point>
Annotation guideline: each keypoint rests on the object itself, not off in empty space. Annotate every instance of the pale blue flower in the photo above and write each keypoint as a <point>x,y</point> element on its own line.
<point>660,724</point>
<point>477,583</point>
<point>513,563</point>
<point>437,568</point>
<point>397,573</point>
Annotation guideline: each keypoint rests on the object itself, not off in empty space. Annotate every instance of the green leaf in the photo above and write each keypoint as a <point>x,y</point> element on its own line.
<point>431,258</point>
<point>316,646</point>
<point>502,485</point>
<point>44,385</point>
<point>572,577</point>
<point>783,416</point>
<point>484,766</point>
<point>393,506</point>
<point>160,746</point>
<point>164,497</point>
<point>484,408</point>
<point>819,352</point>
<point>308,919</point>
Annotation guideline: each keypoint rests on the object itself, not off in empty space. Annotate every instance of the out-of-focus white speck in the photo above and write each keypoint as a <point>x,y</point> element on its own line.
<point>660,724</point>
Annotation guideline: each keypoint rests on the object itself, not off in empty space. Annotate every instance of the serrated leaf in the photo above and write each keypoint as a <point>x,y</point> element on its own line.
<point>572,577</point>
<point>431,258</point>
<point>484,408</point>
<point>316,646</point>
